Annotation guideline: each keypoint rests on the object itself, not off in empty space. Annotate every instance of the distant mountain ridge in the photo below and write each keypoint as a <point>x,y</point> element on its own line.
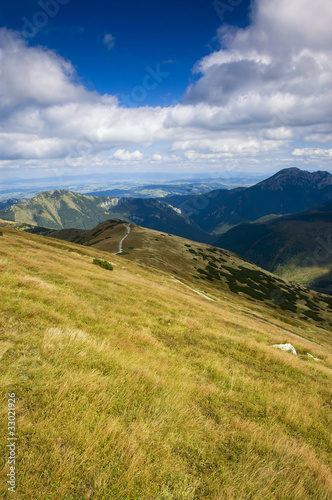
<point>288,191</point>
<point>58,209</point>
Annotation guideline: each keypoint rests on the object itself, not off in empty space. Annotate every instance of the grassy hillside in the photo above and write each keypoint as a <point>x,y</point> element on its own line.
<point>296,247</point>
<point>130,385</point>
<point>208,268</point>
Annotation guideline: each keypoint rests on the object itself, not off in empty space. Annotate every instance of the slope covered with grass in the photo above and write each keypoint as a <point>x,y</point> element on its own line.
<point>131,386</point>
<point>209,269</point>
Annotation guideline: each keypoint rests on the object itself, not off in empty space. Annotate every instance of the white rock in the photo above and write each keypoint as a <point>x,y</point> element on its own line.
<point>312,357</point>
<point>286,347</point>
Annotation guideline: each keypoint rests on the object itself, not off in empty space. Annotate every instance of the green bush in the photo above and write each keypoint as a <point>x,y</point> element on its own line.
<point>103,263</point>
<point>1,233</point>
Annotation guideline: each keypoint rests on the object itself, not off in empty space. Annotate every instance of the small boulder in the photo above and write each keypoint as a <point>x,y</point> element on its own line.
<point>312,357</point>
<point>286,347</point>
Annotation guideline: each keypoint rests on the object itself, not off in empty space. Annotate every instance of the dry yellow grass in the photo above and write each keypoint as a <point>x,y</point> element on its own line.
<point>131,386</point>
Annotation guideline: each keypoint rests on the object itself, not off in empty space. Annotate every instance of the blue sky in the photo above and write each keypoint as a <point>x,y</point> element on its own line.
<point>174,34</point>
<point>189,85</point>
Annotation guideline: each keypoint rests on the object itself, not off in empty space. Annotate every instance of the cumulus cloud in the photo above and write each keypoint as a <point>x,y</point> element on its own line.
<point>109,41</point>
<point>123,155</point>
<point>34,76</point>
<point>266,93</point>
<point>278,69</point>
<point>313,152</point>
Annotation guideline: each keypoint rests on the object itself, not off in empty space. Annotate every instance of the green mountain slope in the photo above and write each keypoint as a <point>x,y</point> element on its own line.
<point>297,247</point>
<point>130,385</point>
<point>59,209</point>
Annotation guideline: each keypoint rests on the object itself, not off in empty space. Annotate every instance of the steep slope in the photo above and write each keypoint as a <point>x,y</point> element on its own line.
<point>129,385</point>
<point>297,247</point>
<point>205,268</point>
<point>289,191</point>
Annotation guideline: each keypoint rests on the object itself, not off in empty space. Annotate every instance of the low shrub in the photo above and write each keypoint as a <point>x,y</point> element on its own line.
<point>103,263</point>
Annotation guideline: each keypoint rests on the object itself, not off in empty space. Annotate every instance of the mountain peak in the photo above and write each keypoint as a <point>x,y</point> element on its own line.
<point>294,176</point>
<point>291,171</point>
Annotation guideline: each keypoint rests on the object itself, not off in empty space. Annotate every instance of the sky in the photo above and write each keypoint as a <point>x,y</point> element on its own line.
<point>179,86</point>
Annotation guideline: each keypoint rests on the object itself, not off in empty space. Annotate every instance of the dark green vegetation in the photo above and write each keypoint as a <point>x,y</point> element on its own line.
<point>261,286</point>
<point>105,264</point>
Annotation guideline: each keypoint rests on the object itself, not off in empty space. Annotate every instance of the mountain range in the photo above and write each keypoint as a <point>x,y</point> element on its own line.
<point>289,191</point>
<point>65,209</point>
<point>278,223</point>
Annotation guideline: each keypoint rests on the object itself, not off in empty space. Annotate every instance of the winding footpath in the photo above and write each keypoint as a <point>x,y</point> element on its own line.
<point>127,226</point>
<point>193,290</point>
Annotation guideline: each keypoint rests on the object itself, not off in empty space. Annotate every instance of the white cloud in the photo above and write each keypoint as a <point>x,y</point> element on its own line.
<point>123,155</point>
<point>157,157</point>
<point>313,152</point>
<point>267,90</point>
<point>34,76</point>
<point>109,41</point>
<point>278,70</point>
